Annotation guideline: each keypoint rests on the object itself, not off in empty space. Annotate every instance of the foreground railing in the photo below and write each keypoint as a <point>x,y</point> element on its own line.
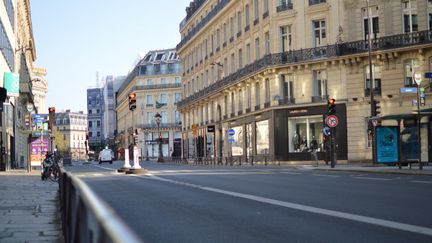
<point>86,218</point>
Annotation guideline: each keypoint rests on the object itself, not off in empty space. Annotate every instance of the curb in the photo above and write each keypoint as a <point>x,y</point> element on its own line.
<point>417,173</point>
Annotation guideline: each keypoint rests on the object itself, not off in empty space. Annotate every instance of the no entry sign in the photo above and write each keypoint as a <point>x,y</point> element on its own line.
<point>332,121</point>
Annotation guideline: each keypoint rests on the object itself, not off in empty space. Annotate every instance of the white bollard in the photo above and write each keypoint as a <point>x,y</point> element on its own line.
<point>126,164</point>
<point>135,158</point>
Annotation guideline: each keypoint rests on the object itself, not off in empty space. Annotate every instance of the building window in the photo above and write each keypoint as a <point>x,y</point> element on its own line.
<point>375,22</point>
<point>90,111</point>
<point>226,105</point>
<point>149,81</point>
<point>98,123</point>
<point>232,27</point>
<point>376,77</point>
<point>149,100</point>
<point>177,80</point>
<point>285,38</point>
<point>239,21</point>
<point>98,134</point>
<point>262,138</point>
<point>240,58</point>
<point>177,118</point>
<point>248,54</point>
<point>232,103</point>
<point>411,66</point>
<point>256,9</point>
<point>267,90</point>
<point>319,33</point>
<point>313,2</point>
<point>164,117</point>
<point>266,6</point>
<point>266,43</point>
<point>163,99</point>
<point>163,81</point>
<point>287,84</point>
<point>150,118</point>
<point>240,101</point>
<point>319,86</point>
<point>224,33</point>
<point>257,49</point>
<point>97,111</point>
<point>257,94</point>
<point>302,131</point>
<point>248,97</point>
<point>177,97</point>
<point>409,10</point>
<point>247,17</point>
<point>90,124</point>
<point>233,66</point>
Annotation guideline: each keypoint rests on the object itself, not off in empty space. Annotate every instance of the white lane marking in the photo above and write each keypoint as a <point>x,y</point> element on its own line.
<point>291,173</point>
<point>97,174</point>
<point>426,182</point>
<point>310,209</point>
<point>332,176</point>
<point>214,173</point>
<point>372,178</point>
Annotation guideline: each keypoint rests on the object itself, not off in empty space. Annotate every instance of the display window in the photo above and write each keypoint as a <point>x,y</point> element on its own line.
<point>305,133</point>
<point>262,137</point>
<point>237,142</point>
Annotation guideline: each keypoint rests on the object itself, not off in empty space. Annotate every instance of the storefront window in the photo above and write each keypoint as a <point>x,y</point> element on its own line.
<point>249,140</point>
<point>237,144</point>
<point>262,137</point>
<point>303,131</point>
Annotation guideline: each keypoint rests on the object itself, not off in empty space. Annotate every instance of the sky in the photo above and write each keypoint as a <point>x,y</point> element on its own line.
<point>76,39</point>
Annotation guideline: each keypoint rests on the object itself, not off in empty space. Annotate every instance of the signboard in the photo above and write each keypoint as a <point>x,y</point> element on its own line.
<point>11,83</point>
<point>326,131</point>
<point>211,128</point>
<point>332,121</point>
<point>38,149</point>
<point>428,75</point>
<point>231,132</point>
<point>387,141</point>
<point>412,90</point>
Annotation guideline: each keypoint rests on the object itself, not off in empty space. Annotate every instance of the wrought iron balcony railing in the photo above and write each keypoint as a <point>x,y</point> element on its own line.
<point>202,23</point>
<point>311,54</point>
<point>318,98</point>
<point>284,7</point>
<point>287,101</point>
<point>157,86</point>
<point>162,125</point>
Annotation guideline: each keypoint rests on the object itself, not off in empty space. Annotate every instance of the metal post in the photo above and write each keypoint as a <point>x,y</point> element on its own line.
<point>160,157</point>
<point>371,81</point>
<point>419,125</point>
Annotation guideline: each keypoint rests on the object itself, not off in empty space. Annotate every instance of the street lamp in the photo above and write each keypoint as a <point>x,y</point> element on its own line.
<point>157,118</point>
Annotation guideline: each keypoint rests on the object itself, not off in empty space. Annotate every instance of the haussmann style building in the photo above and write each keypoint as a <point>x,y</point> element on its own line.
<point>257,75</point>
<point>157,84</point>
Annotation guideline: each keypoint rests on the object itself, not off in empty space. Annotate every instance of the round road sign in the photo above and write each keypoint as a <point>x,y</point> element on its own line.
<point>332,121</point>
<point>231,132</point>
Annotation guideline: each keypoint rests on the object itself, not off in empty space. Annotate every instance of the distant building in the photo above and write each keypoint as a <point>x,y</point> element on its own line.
<point>156,81</point>
<point>73,127</point>
<point>109,118</point>
<point>95,108</point>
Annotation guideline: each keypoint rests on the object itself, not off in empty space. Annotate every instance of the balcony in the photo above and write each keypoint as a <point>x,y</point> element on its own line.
<point>267,104</point>
<point>248,110</point>
<point>240,113</point>
<point>223,45</point>
<point>266,14</point>
<point>225,117</point>
<point>231,39</point>
<point>162,125</point>
<point>284,7</point>
<point>157,86</point>
<point>239,34</point>
<point>311,54</point>
<point>247,28</point>
<point>257,107</point>
<point>232,114</point>
<point>376,91</point>
<point>256,21</point>
<point>316,99</point>
<point>313,2</point>
<point>287,101</point>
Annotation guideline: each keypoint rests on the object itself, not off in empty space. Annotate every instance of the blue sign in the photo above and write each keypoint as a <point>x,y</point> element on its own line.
<point>231,140</point>
<point>231,132</point>
<point>387,141</point>
<point>326,131</point>
<point>408,90</point>
<point>428,75</point>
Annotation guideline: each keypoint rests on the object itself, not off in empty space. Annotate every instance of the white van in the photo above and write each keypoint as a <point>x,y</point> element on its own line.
<point>106,155</point>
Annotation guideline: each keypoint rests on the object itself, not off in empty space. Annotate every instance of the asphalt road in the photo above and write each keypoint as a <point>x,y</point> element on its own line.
<point>265,204</point>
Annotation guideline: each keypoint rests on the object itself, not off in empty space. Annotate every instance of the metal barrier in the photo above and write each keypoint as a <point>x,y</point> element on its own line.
<point>86,218</point>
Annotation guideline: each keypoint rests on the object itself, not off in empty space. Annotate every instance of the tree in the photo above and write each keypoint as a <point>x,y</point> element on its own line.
<point>61,143</point>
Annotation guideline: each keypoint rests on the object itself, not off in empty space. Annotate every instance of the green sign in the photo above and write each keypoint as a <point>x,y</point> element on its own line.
<point>11,83</point>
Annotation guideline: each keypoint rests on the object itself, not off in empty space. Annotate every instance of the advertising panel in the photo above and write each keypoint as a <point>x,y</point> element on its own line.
<point>387,143</point>
<point>38,149</point>
<point>11,83</point>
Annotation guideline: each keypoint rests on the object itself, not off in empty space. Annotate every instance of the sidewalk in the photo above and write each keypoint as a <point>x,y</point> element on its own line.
<point>29,208</point>
<point>383,169</point>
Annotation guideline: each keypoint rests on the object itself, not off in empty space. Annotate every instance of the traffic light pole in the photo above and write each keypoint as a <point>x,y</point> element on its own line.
<point>371,81</point>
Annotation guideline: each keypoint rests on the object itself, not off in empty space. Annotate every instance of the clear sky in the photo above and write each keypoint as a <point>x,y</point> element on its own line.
<point>75,39</point>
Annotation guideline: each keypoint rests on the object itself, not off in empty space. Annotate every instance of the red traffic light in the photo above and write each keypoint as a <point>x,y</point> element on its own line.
<point>132,96</point>
<point>51,110</point>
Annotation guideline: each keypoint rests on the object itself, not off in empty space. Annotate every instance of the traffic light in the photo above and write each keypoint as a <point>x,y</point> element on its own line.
<point>51,118</point>
<point>376,108</point>
<point>132,101</point>
<point>331,106</point>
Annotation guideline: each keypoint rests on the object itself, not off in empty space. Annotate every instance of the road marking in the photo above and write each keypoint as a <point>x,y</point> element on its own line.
<point>332,176</point>
<point>310,209</point>
<point>291,173</point>
<point>426,182</point>
<point>213,173</point>
<point>373,178</point>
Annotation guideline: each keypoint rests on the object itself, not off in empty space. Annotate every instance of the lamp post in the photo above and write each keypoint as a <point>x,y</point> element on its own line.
<point>157,118</point>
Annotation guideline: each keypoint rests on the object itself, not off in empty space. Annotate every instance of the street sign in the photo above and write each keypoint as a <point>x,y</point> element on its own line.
<point>231,132</point>
<point>417,78</point>
<point>428,75</point>
<point>332,121</point>
<point>326,131</point>
<point>412,90</point>
<point>211,128</point>
<point>231,140</point>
